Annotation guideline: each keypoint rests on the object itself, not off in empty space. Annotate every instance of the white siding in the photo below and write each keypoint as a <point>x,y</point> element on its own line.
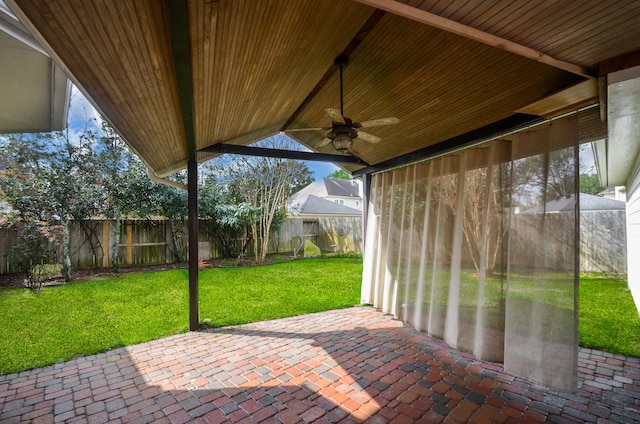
<point>352,202</point>
<point>633,233</point>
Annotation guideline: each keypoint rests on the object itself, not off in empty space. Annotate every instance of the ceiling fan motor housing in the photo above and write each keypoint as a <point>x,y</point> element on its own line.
<point>342,129</point>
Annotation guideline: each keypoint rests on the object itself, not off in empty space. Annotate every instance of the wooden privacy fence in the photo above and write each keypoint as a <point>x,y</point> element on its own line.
<point>603,243</point>
<point>153,242</point>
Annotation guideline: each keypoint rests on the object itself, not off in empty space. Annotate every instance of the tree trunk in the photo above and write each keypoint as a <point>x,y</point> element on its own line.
<point>66,250</point>
<point>177,245</point>
<point>254,230</point>
<point>115,246</point>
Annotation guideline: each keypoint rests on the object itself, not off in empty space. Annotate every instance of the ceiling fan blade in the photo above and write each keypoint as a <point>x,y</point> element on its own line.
<point>307,129</point>
<point>369,138</point>
<point>376,122</point>
<point>335,115</point>
<point>324,142</point>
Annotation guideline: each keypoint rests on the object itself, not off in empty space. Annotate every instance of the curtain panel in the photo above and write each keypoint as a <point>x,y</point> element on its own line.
<point>471,248</point>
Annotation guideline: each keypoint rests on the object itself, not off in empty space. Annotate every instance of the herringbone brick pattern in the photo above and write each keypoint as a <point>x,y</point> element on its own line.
<point>344,366</point>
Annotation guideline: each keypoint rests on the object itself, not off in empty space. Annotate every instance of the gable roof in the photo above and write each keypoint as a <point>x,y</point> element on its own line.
<point>176,77</point>
<point>317,206</point>
<point>588,202</point>
<point>341,187</point>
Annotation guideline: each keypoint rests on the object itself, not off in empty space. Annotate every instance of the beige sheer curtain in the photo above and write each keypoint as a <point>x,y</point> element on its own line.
<point>466,248</point>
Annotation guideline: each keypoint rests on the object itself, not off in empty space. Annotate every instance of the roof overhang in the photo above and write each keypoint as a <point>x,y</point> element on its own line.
<point>35,91</point>
<point>618,156</point>
<point>255,70</point>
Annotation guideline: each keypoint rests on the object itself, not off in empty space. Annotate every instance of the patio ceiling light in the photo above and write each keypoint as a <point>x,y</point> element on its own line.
<point>342,142</point>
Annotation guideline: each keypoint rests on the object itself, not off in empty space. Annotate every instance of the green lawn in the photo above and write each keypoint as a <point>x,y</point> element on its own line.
<point>85,317</point>
<point>608,317</point>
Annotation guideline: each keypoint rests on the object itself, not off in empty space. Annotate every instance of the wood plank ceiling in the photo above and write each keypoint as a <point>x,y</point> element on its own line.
<point>259,68</point>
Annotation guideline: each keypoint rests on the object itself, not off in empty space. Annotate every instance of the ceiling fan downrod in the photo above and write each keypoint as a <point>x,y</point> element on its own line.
<point>341,62</point>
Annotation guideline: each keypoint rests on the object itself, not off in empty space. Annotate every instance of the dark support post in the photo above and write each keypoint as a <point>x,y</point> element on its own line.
<point>366,193</point>
<point>192,184</point>
<point>178,20</point>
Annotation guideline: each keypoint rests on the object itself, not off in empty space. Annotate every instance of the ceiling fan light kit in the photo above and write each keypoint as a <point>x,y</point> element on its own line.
<point>343,130</point>
<point>342,143</point>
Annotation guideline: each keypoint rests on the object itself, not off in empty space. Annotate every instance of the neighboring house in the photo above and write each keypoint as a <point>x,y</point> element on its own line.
<point>588,202</point>
<point>329,213</point>
<point>615,193</point>
<point>339,191</point>
<point>318,207</point>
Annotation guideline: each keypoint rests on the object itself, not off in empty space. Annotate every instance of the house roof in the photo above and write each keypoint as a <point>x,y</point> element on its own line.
<point>341,187</point>
<point>174,77</point>
<point>322,189</point>
<point>317,206</point>
<point>588,202</point>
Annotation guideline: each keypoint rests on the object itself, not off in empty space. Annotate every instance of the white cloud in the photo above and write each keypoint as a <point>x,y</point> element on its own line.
<point>82,117</point>
<point>81,111</point>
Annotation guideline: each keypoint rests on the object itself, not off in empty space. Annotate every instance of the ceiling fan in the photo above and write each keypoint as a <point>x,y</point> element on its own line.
<point>342,130</point>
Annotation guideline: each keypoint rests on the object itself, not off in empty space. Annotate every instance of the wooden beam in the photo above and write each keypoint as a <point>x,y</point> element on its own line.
<point>468,139</point>
<point>236,149</point>
<point>579,95</point>
<point>619,63</point>
<point>457,28</point>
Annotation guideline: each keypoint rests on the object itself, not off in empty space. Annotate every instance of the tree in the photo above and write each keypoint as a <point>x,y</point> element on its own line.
<point>128,191</point>
<point>304,179</point>
<point>51,179</point>
<point>122,186</point>
<point>265,184</point>
<point>227,219</point>
<point>590,184</point>
<point>37,245</point>
<point>171,203</point>
<point>339,174</point>
<point>482,208</point>
<point>560,174</point>
<point>541,178</point>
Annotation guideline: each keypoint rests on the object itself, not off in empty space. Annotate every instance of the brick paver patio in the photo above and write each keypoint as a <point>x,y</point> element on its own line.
<point>343,366</point>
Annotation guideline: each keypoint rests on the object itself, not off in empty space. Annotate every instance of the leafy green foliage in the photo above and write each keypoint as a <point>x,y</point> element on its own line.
<point>339,174</point>
<point>37,246</point>
<point>51,179</point>
<point>263,183</point>
<point>590,184</point>
<point>95,315</point>
<point>226,217</point>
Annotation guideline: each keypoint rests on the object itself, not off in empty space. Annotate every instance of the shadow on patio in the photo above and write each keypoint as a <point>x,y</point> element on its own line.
<point>344,366</point>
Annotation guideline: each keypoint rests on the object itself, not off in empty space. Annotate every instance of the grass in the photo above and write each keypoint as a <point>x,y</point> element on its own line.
<point>95,315</point>
<point>608,317</point>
